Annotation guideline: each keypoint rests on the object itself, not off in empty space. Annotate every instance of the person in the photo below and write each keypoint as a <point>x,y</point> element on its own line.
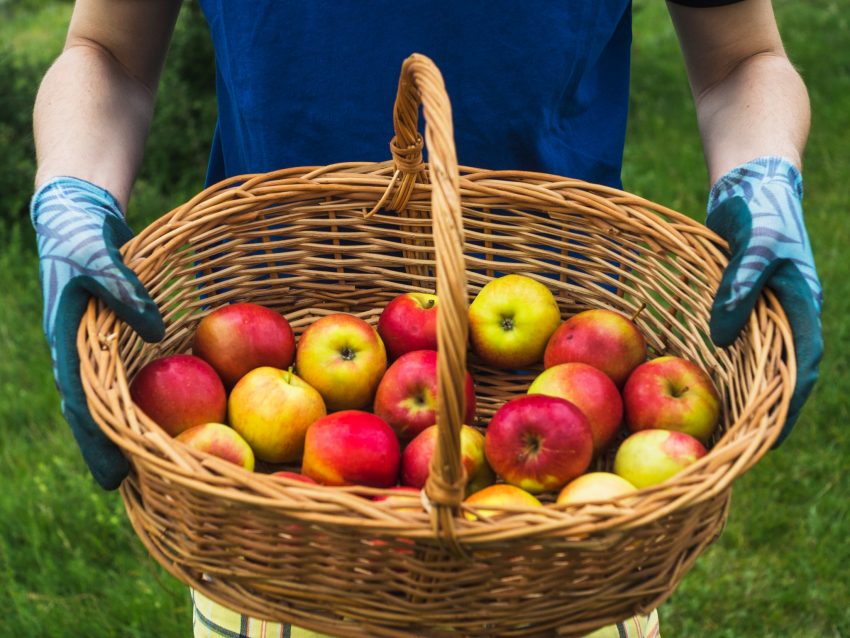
<point>538,86</point>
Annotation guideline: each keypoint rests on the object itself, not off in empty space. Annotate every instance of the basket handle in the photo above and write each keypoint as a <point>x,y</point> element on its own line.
<point>422,82</point>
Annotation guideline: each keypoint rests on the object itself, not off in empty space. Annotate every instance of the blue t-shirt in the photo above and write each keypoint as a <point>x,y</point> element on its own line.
<point>536,85</point>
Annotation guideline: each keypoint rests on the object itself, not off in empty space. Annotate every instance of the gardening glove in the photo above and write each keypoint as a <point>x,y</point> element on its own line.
<point>79,229</point>
<point>757,209</point>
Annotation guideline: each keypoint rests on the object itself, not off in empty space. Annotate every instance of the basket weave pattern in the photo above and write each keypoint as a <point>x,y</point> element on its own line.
<point>312,241</point>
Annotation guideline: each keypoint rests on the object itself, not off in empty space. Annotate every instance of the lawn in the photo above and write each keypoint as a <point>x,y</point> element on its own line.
<point>70,564</point>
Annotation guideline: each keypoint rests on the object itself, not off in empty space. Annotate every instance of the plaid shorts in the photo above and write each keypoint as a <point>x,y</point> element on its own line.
<point>211,620</point>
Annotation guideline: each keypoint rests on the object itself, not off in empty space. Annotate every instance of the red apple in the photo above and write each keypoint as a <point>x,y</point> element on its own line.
<point>601,338</point>
<point>510,321</point>
<point>408,323</point>
<point>538,442</point>
<point>237,338</point>
<point>594,486</point>
<point>650,457</point>
<point>272,410</point>
<point>592,391</point>
<point>352,448</point>
<point>499,495</point>
<point>416,459</point>
<point>295,476</point>
<point>670,393</point>
<point>407,394</point>
<point>178,392</point>
<point>343,357</point>
<point>221,441</point>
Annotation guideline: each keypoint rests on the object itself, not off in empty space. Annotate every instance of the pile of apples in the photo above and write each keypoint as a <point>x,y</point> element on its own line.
<point>353,404</point>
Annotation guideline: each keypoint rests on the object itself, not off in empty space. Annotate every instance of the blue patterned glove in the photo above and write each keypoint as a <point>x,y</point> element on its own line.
<point>757,208</point>
<point>79,229</point>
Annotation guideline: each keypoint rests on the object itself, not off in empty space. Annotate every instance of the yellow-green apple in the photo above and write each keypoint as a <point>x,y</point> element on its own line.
<point>416,459</point>
<point>406,397</point>
<point>499,495</point>
<point>602,338</point>
<point>591,390</point>
<point>510,321</point>
<point>650,457</point>
<point>178,392</point>
<point>272,410</point>
<point>409,322</point>
<point>538,442</point>
<point>295,476</point>
<point>594,486</point>
<point>221,441</point>
<point>352,447</point>
<point>237,338</point>
<point>671,393</point>
<point>344,358</point>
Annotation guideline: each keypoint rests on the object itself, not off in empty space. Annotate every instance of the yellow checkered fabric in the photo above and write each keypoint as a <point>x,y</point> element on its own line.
<point>211,620</point>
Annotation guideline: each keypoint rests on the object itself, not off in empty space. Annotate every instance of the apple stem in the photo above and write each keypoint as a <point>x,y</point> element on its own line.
<point>638,311</point>
<point>289,377</point>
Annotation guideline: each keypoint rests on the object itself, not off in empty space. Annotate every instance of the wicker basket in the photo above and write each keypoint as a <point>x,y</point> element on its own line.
<point>303,241</point>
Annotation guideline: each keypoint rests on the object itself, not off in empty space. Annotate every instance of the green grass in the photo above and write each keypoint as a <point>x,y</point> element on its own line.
<point>70,564</point>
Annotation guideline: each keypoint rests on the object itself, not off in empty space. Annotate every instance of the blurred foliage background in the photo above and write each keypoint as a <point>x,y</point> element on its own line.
<point>70,565</point>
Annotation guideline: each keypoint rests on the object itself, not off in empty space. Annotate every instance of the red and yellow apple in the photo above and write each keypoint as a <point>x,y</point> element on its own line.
<point>352,447</point>
<point>499,495</point>
<point>416,459</point>
<point>237,338</point>
<point>671,393</point>
<point>344,358</point>
<point>591,390</point>
<point>650,457</point>
<point>221,441</point>
<point>538,442</point>
<point>601,338</point>
<point>178,392</point>
<point>406,397</point>
<point>511,320</point>
<point>408,323</point>
<point>272,410</point>
<point>594,486</point>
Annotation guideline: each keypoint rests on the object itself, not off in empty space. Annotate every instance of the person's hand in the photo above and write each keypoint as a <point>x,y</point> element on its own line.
<point>757,208</point>
<point>79,229</point>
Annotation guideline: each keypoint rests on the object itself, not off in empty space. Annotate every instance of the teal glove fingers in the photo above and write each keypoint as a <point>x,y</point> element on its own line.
<point>79,229</point>
<point>757,208</point>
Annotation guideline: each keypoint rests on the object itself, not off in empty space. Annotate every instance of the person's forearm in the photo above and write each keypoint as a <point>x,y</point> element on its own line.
<point>91,119</point>
<point>760,108</point>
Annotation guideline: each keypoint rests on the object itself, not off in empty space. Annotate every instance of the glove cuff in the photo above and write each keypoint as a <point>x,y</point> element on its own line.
<point>75,192</point>
<point>745,180</point>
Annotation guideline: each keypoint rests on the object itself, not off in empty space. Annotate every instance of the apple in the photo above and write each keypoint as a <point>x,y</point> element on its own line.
<point>594,486</point>
<point>591,390</point>
<point>499,495</point>
<point>671,393</point>
<point>344,358</point>
<point>221,441</point>
<point>409,322</point>
<point>406,397</point>
<point>178,392</point>
<point>416,459</point>
<point>650,457</point>
<point>510,321</point>
<point>602,338</point>
<point>237,338</point>
<point>538,442</point>
<point>352,447</point>
<point>295,476</point>
<point>272,410</point>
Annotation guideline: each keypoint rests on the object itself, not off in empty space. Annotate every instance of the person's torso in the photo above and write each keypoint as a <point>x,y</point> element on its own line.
<point>538,85</point>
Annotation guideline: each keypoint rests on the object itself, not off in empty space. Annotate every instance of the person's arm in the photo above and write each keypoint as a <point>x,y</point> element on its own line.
<point>750,101</point>
<point>95,104</point>
<point>753,113</point>
<point>91,118</point>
